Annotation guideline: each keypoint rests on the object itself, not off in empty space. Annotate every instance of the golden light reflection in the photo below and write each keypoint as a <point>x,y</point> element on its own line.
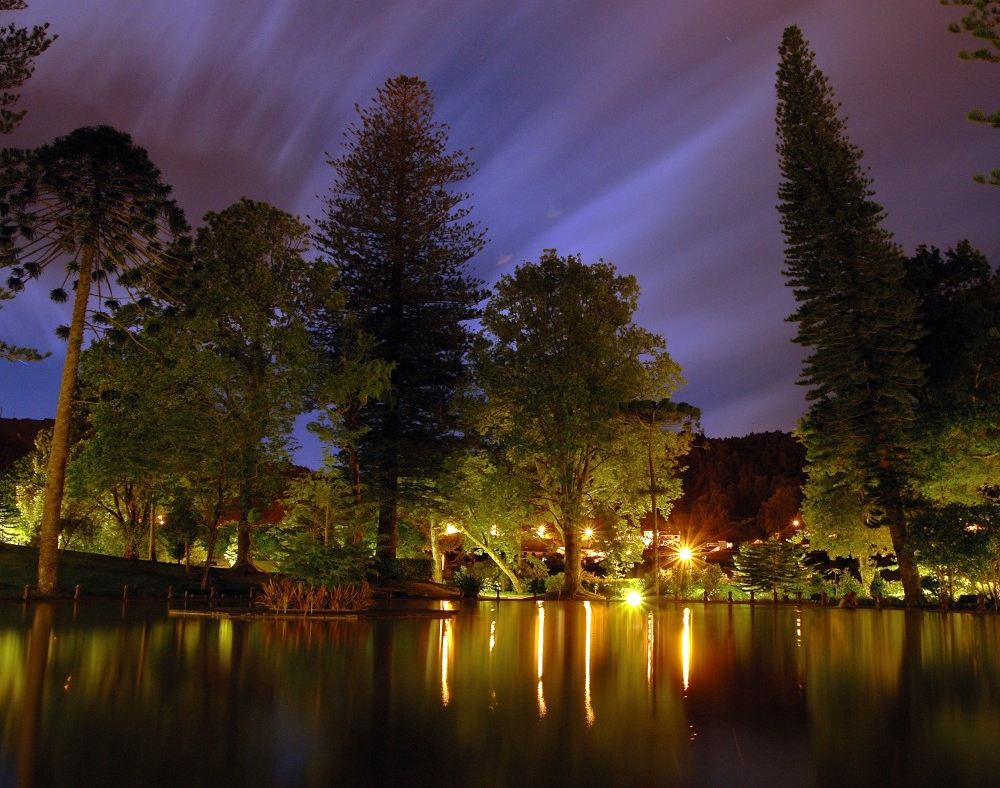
<point>447,634</point>
<point>686,649</point>
<point>493,635</point>
<point>649,650</point>
<point>540,657</point>
<point>634,598</point>
<point>587,705</point>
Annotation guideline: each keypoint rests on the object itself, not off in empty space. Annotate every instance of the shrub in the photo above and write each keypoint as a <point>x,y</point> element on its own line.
<point>284,594</point>
<point>554,583</point>
<point>468,583</point>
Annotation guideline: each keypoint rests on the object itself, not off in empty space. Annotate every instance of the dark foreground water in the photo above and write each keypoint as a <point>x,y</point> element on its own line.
<point>510,694</point>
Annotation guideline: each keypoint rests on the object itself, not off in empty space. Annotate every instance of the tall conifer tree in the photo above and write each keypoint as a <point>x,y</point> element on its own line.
<point>853,314</point>
<point>398,233</point>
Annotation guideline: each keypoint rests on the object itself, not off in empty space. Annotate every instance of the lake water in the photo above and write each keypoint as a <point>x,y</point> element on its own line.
<point>510,694</point>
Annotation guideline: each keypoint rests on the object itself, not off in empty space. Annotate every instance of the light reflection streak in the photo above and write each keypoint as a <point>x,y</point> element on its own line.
<point>686,649</point>
<point>649,650</point>
<point>493,635</point>
<point>587,705</point>
<point>540,658</point>
<point>446,639</point>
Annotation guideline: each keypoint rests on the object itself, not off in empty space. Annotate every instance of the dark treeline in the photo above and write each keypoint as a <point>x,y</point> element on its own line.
<point>741,488</point>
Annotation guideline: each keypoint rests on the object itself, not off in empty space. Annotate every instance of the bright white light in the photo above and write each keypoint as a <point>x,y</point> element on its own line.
<point>685,554</point>
<point>588,533</point>
<point>450,529</point>
<point>540,531</point>
<point>634,598</point>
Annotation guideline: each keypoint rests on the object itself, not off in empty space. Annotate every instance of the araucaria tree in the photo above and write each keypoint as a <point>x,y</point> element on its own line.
<point>559,357</point>
<point>92,203</point>
<point>853,314</point>
<point>982,21</point>
<point>19,47</point>
<point>399,236</point>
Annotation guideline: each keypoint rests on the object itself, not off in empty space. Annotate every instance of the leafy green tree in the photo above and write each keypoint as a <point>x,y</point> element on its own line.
<point>774,565</point>
<point>958,543</point>
<point>399,236</point>
<point>982,20</point>
<point>94,203</point>
<point>959,431</point>
<point>559,355</point>
<point>246,297</point>
<point>853,312</point>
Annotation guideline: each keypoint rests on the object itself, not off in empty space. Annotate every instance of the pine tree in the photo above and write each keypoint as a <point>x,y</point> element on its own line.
<point>982,20</point>
<point>399,235</point>
<point>853,313</point>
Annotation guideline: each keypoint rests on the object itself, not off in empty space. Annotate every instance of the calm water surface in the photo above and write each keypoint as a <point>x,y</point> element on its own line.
<point>510,694</point>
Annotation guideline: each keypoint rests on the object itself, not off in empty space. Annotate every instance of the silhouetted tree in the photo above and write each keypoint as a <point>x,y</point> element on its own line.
<point>399,236</point>
<point>853,312</point>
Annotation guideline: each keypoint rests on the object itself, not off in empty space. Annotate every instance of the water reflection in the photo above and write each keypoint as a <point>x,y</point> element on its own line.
<point>588,706</point>
<point>783,696</point>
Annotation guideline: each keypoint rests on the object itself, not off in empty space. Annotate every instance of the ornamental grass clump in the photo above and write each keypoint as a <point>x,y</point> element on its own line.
<point>282,594</point>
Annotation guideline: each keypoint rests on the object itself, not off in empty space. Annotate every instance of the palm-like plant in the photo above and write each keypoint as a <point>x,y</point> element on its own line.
<point>94,205</point>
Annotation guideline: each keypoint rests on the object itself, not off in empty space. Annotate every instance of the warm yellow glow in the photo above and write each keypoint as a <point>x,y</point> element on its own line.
<point>685,553</point>
<point>446,638</point>
<point>540,531</point>
<point>588,533</point>
<point>686,649</point>
<point>796,522</point>
<point>634,598</point>
<point>450,529</point>
<point>540,658</point>
<point>588,708</point>
<point>650,637</point>
<point>493,635</point>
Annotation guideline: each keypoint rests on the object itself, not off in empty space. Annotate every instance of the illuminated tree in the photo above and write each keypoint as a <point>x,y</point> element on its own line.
<point>92,203</point>
<point>853,312</point>
<point>559,355</point>
<point>398,235</point>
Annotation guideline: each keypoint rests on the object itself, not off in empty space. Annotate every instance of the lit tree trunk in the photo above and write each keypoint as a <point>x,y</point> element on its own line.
<point>908,573</point>
<point>515,581</point>
<point>55,476</point>
<point>656,527</point>
<point>151,514</point>
<point>437,573</point>
<point>574,557</point>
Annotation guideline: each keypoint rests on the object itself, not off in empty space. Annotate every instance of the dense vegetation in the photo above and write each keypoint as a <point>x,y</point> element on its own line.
<point>468,429</point>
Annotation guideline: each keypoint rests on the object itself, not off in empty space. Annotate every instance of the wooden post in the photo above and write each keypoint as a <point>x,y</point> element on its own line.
<point>27,593</point>
<point>730,597</point>
<point>170,592</point>
<point>76,591</point>
<point>125,592</point>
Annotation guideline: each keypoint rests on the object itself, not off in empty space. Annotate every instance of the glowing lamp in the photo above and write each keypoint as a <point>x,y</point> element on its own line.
<point>685,554</point>
<point>633,598</point>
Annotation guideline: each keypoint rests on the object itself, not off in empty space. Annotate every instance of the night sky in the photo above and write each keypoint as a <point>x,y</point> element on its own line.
<point>640,132</point>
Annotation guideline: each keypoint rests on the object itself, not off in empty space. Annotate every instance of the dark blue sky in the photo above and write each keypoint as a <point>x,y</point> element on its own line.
<point>640,132</point>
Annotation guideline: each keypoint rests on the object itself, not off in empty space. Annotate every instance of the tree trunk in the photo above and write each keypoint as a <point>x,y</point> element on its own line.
<point>515,581</point>
<point>656,527</point>
<point>437,573</point>
<point>388,509</point>
<point>909,575</point>
<point>30,722</point>
<point>574,568</point>
<point>151,514</point>
<point>55,474</point>
<point>244,535</point>
<point>213,532</point>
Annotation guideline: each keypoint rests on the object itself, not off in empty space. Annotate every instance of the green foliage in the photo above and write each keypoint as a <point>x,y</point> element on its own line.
<point>555,376</point>
<point>305,558</point>
<point>959,544</point>
<point>774,566</point>
<point>853,314</point>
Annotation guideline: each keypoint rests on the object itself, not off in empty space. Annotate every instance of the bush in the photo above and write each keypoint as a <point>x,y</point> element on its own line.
<point>468,583</point>
<point>307,559</point>
<point>554,583</point>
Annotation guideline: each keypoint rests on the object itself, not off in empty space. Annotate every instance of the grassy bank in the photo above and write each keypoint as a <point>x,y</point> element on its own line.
<point>103,575</point>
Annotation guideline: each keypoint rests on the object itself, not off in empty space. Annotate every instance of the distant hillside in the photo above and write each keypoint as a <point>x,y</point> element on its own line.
<point>740,488</point>
<point>17,438</point>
